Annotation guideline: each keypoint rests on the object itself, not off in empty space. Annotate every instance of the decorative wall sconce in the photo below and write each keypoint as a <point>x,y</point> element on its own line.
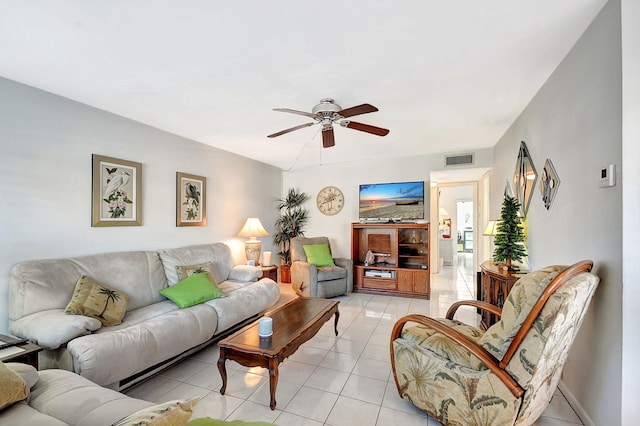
<point>524,178</point>
<point>549,183</point>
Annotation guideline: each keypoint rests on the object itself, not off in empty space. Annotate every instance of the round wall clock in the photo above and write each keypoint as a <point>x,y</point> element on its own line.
<point>330,200</point>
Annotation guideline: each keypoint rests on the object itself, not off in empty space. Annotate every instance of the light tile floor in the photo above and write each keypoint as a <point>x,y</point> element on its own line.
<point>343,380</point>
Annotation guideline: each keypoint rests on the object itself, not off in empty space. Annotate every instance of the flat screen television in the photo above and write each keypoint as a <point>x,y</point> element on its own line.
<point>392,201</point>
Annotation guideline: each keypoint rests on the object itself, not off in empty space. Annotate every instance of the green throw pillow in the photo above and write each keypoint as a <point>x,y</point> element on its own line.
<point>318,254</point>
<point>192,290</point>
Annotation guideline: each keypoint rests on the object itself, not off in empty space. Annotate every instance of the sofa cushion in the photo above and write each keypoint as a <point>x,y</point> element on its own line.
<point>243,301</point>
<point>13,388</point>
<point>170,413</point>
<point>328,273</point>
<point>40,285</point>
<point>143,314</point>
<point>185,271</point>
<point>74,400</point>
<point>193,290</point>
<point>52,328</point>
<point>28,373</point>
<point>99,357</point>
<point>92,299</point>
<point>22,414</point>
<point>427,339</point>
<point>318,254</point>
<point>218,254</point>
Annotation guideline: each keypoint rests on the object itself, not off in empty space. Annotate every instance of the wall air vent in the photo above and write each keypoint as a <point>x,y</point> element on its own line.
<point>458,160</point>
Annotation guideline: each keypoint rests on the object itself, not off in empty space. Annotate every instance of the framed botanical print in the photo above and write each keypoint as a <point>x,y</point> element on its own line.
<point>116,192</point>
<point>190,200</point>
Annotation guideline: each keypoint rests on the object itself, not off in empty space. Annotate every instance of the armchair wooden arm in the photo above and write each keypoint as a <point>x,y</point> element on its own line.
<point>475,303</point>
<point>463,341</point>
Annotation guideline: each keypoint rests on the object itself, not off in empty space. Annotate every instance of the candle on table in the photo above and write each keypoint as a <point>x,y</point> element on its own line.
<point>265,326</point>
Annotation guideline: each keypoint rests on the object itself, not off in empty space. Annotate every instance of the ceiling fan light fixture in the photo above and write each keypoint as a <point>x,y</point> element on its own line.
<point>326,105</point>
<point>328,112</point>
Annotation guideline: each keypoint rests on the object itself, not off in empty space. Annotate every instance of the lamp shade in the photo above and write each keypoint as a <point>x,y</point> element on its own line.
<point>253,228</point>
<point>442,212</point>
<point>491,229</point>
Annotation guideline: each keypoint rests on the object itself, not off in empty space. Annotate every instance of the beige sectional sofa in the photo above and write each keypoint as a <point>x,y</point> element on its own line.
<point>61,398</point>
<point>58,397</point>
<point>153,333</point>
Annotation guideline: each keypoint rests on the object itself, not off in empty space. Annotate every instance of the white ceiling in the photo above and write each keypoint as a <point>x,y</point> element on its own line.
<point>447,76</point>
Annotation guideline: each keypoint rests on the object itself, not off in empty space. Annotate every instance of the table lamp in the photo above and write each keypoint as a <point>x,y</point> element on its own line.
<point>253,247</point>
<point>491,230</point>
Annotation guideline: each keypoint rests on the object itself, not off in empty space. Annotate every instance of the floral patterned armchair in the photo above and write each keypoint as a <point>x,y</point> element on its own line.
<point>461,375</point>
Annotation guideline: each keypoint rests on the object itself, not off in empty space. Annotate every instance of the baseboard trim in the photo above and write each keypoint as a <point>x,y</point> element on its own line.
<point>577,407</point>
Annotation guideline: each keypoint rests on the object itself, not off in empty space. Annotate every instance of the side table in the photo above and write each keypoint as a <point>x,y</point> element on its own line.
<point>270,272</point>
<point>495,286</point>
<point>22,352</point>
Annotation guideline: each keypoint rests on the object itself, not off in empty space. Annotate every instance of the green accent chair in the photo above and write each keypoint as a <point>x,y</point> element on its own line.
<point>506,375</point>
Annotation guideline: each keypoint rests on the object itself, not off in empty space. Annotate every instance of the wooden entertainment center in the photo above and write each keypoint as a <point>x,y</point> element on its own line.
<point>401,258</point>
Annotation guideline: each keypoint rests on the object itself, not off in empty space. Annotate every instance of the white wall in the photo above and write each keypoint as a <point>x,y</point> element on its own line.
<point>45,182</point>
<point>575,120</point>
<point>631,209</point>
<point>349,176</point>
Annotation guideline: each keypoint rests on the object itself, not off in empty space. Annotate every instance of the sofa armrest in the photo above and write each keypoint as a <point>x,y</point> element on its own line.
<point>245,273</point>
<point>348,265</point>
<point>304,278</point>
<point>53,328</point>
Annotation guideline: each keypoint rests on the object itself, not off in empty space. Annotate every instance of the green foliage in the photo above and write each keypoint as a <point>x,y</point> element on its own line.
<point>293,218</point>
<point>510,235</point>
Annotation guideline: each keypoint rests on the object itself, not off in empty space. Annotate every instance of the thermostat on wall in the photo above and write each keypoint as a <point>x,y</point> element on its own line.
<point>608,176</point>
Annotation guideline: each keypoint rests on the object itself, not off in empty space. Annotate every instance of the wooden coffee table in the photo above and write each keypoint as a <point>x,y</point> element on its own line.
<point>293,324</point>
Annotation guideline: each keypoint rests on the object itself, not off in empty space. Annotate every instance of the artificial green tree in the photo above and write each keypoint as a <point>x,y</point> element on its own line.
<point>291,222</point>
<point>509,239</point>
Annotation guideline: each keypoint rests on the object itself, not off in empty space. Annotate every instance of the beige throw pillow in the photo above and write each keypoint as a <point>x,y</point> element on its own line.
<point>12,387</point>
<point>171,413</point>
<point>92,299</point>
<point>185,271</point>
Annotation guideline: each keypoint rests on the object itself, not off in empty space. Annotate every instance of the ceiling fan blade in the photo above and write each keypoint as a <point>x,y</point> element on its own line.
<point>327,138</point>
<point>366,128</point>
<point>302,126</point>
<point>357,110</point>
<point>295,111</point>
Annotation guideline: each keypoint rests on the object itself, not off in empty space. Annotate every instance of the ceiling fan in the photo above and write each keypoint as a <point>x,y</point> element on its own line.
<point>328,112</point>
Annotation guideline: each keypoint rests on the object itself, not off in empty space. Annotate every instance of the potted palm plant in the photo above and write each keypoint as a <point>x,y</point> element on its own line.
<point>291,222</point>
<point>509,239</point>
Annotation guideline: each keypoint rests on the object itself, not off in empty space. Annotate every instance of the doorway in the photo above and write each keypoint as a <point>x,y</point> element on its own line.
<point>455,221</point>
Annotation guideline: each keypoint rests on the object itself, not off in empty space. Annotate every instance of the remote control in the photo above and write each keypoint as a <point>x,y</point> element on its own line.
<point>13,343</point>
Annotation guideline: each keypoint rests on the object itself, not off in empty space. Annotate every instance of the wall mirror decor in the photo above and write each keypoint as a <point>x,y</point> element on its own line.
<point>549,183</point>
<point>524,178</point>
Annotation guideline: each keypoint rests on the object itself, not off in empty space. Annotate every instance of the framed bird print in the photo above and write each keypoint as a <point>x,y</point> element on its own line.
<point>116,192</point>
<point>190,200</point>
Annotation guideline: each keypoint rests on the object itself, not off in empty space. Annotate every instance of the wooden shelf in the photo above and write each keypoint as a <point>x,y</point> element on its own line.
<point>405,247</point>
